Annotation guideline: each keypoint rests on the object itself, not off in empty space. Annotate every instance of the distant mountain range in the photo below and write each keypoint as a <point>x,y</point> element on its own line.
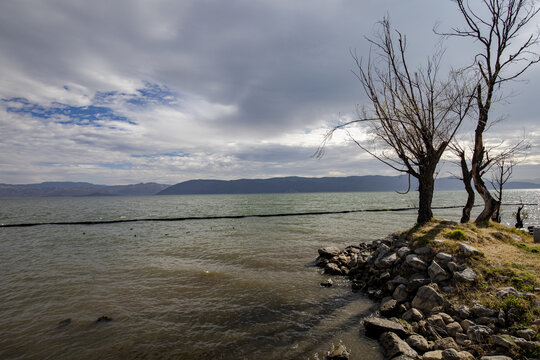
<point>325,184</point>
<point>243,186</point>
<point>48,189</point>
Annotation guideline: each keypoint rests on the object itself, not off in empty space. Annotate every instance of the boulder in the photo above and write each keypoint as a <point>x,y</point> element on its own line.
<point>466,324</point>
<point>527,334</point>
<point>412,315</point>
<point>503,341</point>
<point>418,342</point>
<point>433,355</point>
<point>375,326</point>
<point>468,250</point>
<point>339,352</point>
<point>504,292</point>
<point>443,258</point>
<point>453,354</point>
<point>427,298</point>
<point>482,311</point>
<point>327,283</point>
<point>467,275</point>
<point>333,269</point>
<point>328,252</point>
<point>437,273</point>
<point>446,343</point>
<point>388,308</point>
<point>423,251</point>
<point>437,320</point>
<point>394,346</point>
<point>479,333</point>
<point>496,357</point>
<point>386,261</point>
<point>414,262</point>
<point>400,293</point>
<point>403,251</point>
<point>453,329</point>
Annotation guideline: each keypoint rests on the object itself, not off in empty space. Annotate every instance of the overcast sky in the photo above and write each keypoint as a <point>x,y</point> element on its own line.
<point>119,92</point>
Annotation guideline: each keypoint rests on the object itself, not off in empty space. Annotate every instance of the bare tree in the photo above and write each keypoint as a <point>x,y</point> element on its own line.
<point>466,177</point>
<point>504,55</point>
<point>413,114</point>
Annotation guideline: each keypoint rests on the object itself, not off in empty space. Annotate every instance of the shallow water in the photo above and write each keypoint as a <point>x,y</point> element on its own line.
<point>212,289</point>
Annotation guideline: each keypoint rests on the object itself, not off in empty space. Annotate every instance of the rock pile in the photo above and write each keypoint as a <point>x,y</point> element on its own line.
<point>416,320</point>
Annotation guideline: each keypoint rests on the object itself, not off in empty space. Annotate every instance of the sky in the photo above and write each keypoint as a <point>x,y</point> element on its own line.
<point>129,91</point>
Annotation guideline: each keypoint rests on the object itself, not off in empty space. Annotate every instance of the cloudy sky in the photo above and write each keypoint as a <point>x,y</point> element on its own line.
<point>126,91</point>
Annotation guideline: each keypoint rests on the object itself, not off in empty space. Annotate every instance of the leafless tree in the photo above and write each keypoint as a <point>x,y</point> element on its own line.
<point>412,114</point>
<point>504,55</point>
<point>466,177</point>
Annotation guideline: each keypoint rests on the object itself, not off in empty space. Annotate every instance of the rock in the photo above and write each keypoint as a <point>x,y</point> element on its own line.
<point>64,323</point>
<point>468,250</point>
<point>427,298</point>
<point>453,329</point>
<point>447,318</point>
<point>423,251</point>
<point>527,334</point>
<point>446,343</point>
<point>403,251</point>
<point>452,266</point>
<point>416,281</point>
<point>388,308</point>
<point>414,262</point>
<point>103,319</point>
<point>339,352</point>
<point>496,357</point>
<point>524,344</point>
<point>464,311</point>
<point>321,262</point>
<point>437,320</point>
<point>375,326</point>
<point>467,275</point>
<point>387,261</point>
<point>503,341</point>
<point>466,324</point>
<point>462,339</point>
<point>332,269</point>
<point>433,355</point>
<point>482,311</point>
<point>394,346</point>
<point>412,315</point>
<point>436,272</point>
<point>453,354</point>
<point>443,258</point>
<point>328,252</point>
<point>327,283</point>
<point>400,293</point>
<point>419,343</point>
<point>479,333</point>
<point>504,292</point>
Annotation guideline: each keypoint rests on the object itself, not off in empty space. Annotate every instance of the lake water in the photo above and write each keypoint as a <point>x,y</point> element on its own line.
<point>204,289</point>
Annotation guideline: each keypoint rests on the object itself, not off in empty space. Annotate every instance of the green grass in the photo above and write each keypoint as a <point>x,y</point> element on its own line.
<point>456,235</point>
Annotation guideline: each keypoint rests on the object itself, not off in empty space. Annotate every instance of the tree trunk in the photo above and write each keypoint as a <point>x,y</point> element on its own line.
<point>426,186</point>
<point>476,168</point>
<point>467,178</point>
<point>519,221</point>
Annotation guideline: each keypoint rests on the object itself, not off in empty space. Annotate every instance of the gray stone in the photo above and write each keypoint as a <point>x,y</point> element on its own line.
<point>437,273</point>
<point>403,251</point>
<point>418,342</point>
<point>388,308</point>
<point>452,266</point>
<point>427,299</point>
<point>453,329</point>
<point>443,258</point>
<point>375,326</point>
<point>479,333</point>
<point>400,293</point>
<point>504,292</point>
<point>437,320</point>
<point>462,339</point>
<point>468,250</point>
<point>496,357</point>
<point>339,352</point>
<point>466,324</point>
<point>447,318</point>
<point>453,354</point>
<point>524,344</point>
<point>446,343</point>
<point>327,283</point>
<point>467,275</point>
<point>414,262</point>
<point>386,261</point>
<point>416,281</point>
<point>482,311</point>
<point>332,269</point>
<point>426,250</point>
<point>394,346</point>
<point>503,341</point>
<point>328,252</point>
<point>433,355</point>
<point>464,312</point>
<point>527,334</point>
<point>412,315</point>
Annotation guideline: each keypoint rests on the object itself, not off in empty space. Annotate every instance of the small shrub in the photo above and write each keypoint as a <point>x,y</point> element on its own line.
<point>456,235</point>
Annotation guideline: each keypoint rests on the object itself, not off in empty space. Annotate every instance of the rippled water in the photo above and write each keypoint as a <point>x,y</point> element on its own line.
<point>205,289</point>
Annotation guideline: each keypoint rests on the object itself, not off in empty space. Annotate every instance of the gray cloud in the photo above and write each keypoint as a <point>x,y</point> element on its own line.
<point>255,85</point>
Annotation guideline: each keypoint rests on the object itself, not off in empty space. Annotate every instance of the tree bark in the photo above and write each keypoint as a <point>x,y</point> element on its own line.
<point>467,178</point>
<point>426,186</point>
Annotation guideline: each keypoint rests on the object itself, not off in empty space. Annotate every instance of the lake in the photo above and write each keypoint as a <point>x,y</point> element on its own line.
<point>200,289</point>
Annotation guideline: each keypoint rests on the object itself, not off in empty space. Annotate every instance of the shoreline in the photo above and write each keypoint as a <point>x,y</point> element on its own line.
<point>442,294</point>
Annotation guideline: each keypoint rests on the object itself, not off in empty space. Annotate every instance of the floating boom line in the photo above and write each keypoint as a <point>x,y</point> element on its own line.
<point>221,217</point>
